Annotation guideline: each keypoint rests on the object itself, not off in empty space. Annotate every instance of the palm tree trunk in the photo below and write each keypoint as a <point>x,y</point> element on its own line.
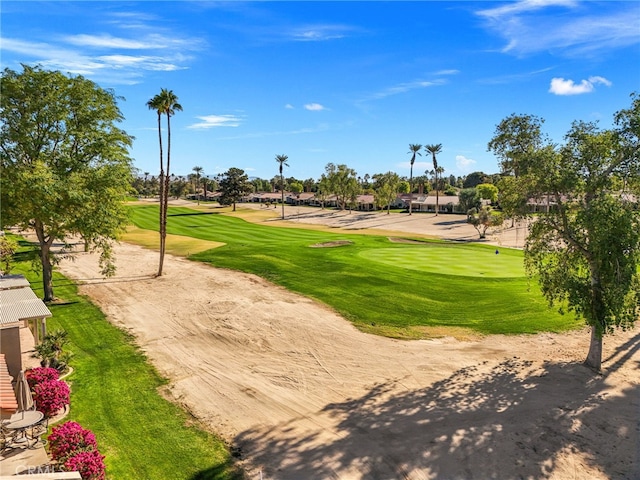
<point>437,194</point>
<point>163,235</point>
<point>161,194</point>
<point>411,189</point>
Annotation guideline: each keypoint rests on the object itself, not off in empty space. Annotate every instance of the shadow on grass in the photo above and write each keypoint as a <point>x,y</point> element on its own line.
<point>191,214</point>
<point>219,472</point>
<point>512,419</point>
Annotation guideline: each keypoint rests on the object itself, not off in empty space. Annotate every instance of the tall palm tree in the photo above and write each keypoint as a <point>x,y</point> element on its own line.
<point>415,149</point>
<point>198,171</point>
<point>434,150</point>
<point>164,103</point>
<point>282,160</point>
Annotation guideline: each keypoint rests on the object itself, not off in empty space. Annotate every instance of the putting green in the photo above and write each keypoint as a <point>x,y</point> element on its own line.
<point>451,260</point>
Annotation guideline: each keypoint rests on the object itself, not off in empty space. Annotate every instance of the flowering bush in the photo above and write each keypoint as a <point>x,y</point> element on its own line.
<point>40,374</point>
<point>70,438</point>
<point>90,465</point>
<point>75,449</point>
<point>50,396</point>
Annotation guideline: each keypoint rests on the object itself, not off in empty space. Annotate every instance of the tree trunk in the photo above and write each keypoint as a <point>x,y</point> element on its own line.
<point>594,357</point>
<point>161,195</point>
<point>45,259</point>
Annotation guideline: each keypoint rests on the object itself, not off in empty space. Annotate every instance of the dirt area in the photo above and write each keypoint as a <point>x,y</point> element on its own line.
<point>301,394</point>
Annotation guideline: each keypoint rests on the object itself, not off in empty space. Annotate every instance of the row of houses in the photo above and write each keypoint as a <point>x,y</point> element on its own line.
<point>420,203</point>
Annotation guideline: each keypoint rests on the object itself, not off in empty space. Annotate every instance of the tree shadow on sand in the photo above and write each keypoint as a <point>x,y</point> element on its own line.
<point>513,419</point>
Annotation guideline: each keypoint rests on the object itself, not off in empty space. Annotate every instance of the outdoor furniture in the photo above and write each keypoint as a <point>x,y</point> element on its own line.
<point>22,428</point>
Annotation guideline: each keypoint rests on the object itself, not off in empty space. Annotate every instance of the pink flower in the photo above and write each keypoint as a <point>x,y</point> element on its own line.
<point>70,438</point>
<point>40,374</point>
<point>51,396</point>
<point>89,463</point>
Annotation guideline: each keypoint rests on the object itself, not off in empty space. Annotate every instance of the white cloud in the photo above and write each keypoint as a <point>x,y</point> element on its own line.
<point>213,121</point>
<point>560,86</point>
<point>314,107</point>
<point>315,33</point>
<point>589,27</point>
<point>464,164</point>
<point>448,72</point>
<point>288,106</point>
<point>404,87</point>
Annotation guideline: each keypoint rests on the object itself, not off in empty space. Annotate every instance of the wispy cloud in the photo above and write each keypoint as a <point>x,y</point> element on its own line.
<point>314,107</point>
<point>213,121</point>
<point>560,86</point>
<point>288,106</point>
<point>404,88</point>
<point>532,26</point>
<point>514,77</point>
<point>319,33</point>
<point>107,57</point>
<point>301,131</point>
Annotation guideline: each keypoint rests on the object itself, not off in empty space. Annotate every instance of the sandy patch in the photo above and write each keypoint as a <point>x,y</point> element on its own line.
<point>302,394</point>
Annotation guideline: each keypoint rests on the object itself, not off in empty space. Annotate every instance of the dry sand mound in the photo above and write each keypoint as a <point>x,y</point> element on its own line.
<point>303,395</point>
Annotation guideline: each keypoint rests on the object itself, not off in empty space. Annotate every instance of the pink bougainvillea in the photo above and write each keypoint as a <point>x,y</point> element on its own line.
<point>40,374</point>
<point>68,438</point>
<point>75,449</point>
<point>90,465</point>
<point>51,396</point>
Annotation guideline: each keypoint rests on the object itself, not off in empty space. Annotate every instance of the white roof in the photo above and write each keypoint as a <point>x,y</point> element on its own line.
<point>18,302</point>
<point>13,281</point>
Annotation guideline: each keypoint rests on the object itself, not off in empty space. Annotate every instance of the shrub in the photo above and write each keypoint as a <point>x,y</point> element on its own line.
<point>68,439</point>
<point>90,465</point>
<point>75,449</point>
<point>51,351</point>
<point>38,375</point>
<point>50,396</point>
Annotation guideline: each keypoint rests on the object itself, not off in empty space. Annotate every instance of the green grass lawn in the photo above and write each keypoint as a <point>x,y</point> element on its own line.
<point>115,393</point>
<point>381,286</point>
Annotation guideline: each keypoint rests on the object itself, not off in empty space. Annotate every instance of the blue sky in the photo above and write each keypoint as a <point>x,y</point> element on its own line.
<point>342,82</point>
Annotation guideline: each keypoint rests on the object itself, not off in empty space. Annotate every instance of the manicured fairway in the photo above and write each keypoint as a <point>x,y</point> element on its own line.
<point>382,286</point>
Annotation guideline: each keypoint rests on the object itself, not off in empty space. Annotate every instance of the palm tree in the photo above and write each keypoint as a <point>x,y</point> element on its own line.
<point>282,160</point>
<point>166,102</point>
<point>435,149</point>
<point>413,148</point>
<point>198,171</point>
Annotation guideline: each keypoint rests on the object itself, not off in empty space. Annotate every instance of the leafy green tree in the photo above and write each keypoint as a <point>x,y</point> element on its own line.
<point>386,188</point>
<point>164,103</point>
<point>8,247</point>
<point>282,161</point>
<point>469,199</point>
<point>434,150</point>
<point>343,182</point>
<point>483,218</point>
<point>586,250</point>
<point>474,179</point>
<point>414,149</point>
<point>296,187</point>
<point>487,191</point>
<point>512,197</point>
<point>515,141</point>
<point>234,184</point>
<point>65,164</point>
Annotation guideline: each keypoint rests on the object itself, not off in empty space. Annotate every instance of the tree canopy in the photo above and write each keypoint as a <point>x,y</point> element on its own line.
<point>65,163</point>
<point>585,250</point>
<point>234,184</point>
